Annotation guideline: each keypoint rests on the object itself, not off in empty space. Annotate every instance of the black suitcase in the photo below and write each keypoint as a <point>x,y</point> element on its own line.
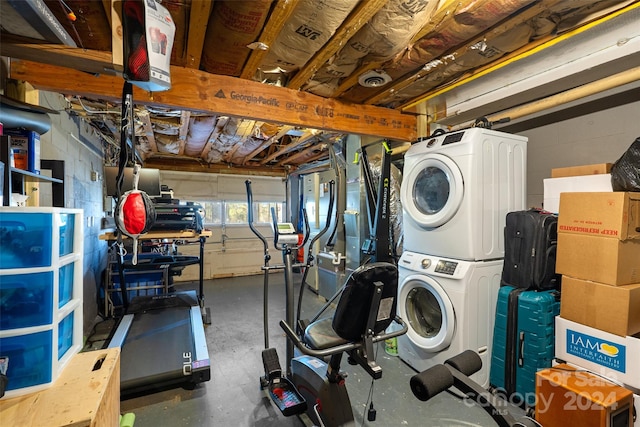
<point>530,242</point>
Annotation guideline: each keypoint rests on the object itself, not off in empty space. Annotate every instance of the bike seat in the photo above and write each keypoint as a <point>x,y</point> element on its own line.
<point>358,313</point>
<point>320,335</point>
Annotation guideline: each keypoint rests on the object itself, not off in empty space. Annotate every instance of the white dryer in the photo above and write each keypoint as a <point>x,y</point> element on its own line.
<point>457,189</point>
<point>449,306</point>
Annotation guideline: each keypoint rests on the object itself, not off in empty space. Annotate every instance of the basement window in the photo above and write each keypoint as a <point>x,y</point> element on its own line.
<point>223,212</point>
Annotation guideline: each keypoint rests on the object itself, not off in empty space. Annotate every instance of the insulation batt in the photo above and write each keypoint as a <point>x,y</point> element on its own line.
<point>311,25</point>
<point>447,35</point>
<point>542,25</point>
<point>232,26</point>
<point>380,39</point>
<point>483,54</point>
<point>199,130</point>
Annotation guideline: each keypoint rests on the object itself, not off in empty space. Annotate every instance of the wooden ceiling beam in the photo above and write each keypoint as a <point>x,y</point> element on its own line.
<point>143,115</point>
<point>213,137</point>
<point>356,20</point>
<point>193,165</point>
<point>198,20</point>
<point>224,95</point>
<point>290,147</point>
<point>282,132</point>
<point>185,117</point>
<point>89,61</point>
<point>293,158</point>
<point>280,14</point>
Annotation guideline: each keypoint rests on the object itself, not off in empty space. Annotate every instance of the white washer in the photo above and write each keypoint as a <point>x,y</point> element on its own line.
<point>457,189</point>
<point>449,306</point>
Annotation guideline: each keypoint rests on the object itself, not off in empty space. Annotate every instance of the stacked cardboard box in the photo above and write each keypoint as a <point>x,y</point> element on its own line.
<point>575,179</point>
<point>599,259</point>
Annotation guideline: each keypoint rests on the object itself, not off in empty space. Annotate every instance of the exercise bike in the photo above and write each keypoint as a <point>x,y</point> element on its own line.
<point>455,372</point>
<point>365,309</point>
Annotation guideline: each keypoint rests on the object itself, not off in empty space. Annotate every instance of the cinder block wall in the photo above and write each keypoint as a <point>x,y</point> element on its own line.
<point>72,140</point>
<point>600,137</point>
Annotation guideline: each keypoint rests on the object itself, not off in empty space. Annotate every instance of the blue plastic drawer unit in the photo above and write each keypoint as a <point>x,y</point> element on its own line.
<point>25,241</point>
<point>41,270</point>
<point>26,300</point>
<point>66,233</point>
<point>29,359</point>
<point>65,284</point>
<point>65,335</point>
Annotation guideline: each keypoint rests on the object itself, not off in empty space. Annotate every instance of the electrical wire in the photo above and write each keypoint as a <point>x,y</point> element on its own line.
<point>370,396</point>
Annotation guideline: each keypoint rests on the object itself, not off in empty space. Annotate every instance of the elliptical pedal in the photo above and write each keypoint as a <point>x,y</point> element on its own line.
<point>282,391</point>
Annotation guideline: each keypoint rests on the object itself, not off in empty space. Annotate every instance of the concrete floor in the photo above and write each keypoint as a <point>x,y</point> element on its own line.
<point>233,396</point>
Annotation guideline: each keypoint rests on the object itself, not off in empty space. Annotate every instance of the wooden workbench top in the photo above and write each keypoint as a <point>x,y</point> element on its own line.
<point>87,393</point>
<point>152,235</point>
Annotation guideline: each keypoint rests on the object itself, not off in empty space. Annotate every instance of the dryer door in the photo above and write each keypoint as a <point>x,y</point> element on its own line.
<point>428,311</point>
<point>432,190</point>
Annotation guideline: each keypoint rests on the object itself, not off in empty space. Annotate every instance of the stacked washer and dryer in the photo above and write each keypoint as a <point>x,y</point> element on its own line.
<point>456,191</point>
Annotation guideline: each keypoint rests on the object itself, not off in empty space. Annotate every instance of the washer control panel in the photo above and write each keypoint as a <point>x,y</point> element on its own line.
<point>446,267</point>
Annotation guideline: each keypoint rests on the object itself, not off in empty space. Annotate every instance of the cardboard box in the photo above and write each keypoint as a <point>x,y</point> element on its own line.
<point>599,259</point>
<point>25,145</point>
<point>553,187</point>
<point>609,355</point>
<point>566,396</point>
<point>615,214</point>
<point>614,309</point>
<point>597,169</point>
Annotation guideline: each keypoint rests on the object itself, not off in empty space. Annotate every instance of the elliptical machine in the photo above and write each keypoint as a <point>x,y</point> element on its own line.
<point>365,309</point>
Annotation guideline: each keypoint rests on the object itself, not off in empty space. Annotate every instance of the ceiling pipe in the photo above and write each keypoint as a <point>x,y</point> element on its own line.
<point>593,88</point>
<point>16,114</point>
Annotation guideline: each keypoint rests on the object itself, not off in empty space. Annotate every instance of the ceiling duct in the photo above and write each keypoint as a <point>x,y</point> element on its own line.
<point>374,78</point>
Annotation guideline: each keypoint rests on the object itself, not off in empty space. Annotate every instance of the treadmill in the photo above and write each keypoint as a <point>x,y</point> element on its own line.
<point>162,343</point>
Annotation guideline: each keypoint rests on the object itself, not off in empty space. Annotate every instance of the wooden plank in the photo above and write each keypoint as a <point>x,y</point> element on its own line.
<point>198,20</point>
<point>148,129</point>
<point>292,146</point>
<point>356,20</point>
<point>219,127</point>
<point>199,91</point>
<point>81,396</point>
<point>301,155</point>
<point>111,236</point>
<point>279,15</point>
<point>90,61</point>
<point>268,143</point>
<point>192,165</point>
<point>185,116</point>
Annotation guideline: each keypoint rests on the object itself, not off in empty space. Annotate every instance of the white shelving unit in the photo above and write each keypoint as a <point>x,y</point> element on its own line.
<point>41,269</point>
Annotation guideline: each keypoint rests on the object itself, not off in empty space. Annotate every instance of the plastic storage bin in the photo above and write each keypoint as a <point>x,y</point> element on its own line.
<point>26,300</point>
<point>143,282</point>
<point>25,241</point>
<point>65,284</point>
<point>30,357</point>
<point>40,294</point>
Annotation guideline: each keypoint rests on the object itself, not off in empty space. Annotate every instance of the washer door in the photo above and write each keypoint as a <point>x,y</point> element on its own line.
<point>428,311</point>
<point>433,191</point>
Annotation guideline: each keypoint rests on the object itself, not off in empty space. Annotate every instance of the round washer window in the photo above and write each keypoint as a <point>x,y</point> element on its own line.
<point>424,312</point>
<point>431,190</point>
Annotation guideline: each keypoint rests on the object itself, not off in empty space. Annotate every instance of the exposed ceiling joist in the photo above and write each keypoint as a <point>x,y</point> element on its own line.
<point>282,132</point>
<point>281,12</point>
<point>290,147</point>
<point>198,19</point>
